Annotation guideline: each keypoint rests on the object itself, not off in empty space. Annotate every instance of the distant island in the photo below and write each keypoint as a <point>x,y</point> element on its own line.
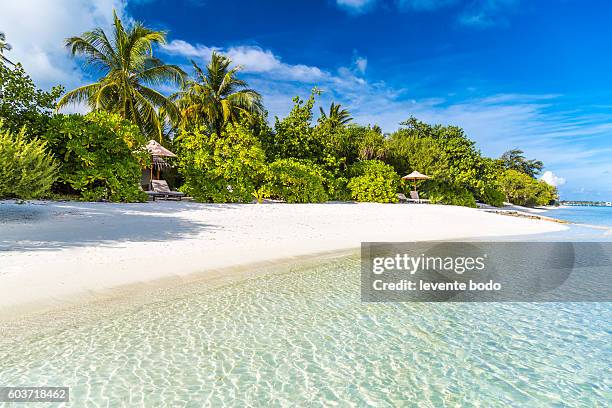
<point>588,203</point>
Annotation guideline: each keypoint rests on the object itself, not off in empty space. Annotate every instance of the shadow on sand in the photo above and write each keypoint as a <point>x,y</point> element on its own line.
<point>39,226</point>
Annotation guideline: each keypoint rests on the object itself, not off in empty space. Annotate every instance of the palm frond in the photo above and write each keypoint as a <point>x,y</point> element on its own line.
<point>81,94</point>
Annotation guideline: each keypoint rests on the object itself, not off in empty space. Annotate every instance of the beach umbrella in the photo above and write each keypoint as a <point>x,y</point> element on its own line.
<point>157,152</point>
<point>414,176</point>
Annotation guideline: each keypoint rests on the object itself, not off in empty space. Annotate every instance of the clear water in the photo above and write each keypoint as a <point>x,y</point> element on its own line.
<point>303,338</point>
<point>584,215</point>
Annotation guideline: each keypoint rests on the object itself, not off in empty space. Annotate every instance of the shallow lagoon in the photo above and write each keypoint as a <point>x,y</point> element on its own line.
<point>303,337</point>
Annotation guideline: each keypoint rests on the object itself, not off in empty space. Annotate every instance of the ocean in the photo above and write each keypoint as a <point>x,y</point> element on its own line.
<point>601,216</point>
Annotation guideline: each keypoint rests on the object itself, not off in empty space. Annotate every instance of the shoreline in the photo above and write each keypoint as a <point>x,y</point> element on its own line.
<point>37,318</point>
<point>60,254</point>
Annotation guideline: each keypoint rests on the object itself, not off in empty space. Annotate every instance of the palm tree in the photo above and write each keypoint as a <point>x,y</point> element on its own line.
<point>4,46</point>
<point>128,69</point>
<point>338,116</point>
<point>217,97</point>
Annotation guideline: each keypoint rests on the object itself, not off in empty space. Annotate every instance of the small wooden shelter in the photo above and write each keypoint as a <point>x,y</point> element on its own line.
<point>158,152</point>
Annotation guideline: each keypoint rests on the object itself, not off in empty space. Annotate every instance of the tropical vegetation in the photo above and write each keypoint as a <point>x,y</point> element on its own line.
<point>128,69</point>
<point>27,169</point>
<point>101,156</point>
<point>217,97</point>
<point>228,149</point>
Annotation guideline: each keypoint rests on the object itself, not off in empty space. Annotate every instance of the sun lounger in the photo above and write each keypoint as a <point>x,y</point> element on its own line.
<point>414,198</point>
<point>161,190</point>
<point>402,198</point>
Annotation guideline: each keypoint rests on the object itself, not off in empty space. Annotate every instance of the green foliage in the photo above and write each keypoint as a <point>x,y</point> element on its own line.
<point>296,182</point>
<point>101,156</point>
<point>515,160</point>
<point>337,117</point>
<point>446,154</point>
<point>293,136</point>
<point>373,180</point>
<point>445,192</point>
<point>22,104</point>
<point>129,70</point>
<point>216,96</point>
<point>493,195</point>
<point>522,189</point>
<point>408,152</point>
<point>225,168</point>
<point>27,170</point>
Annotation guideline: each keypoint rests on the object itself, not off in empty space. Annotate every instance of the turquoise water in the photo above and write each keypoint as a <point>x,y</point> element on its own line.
<point>584,215</point>
<point>303,338</point>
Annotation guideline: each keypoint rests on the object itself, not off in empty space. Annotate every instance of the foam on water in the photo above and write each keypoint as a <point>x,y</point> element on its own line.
<point>304,338</point>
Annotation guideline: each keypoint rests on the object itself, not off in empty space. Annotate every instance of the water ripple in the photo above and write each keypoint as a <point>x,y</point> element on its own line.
<point>304,338</point>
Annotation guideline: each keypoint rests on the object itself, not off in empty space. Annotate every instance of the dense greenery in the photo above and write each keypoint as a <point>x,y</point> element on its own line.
<point>227,151</point>
<point>100,154</point>
<point>294,135</point>
<point>128,69</point>
<point>221,168</point>
<point>515,160</point>
<point>22,104</point>
<point>373,180</point>
<point>522,189</point>
<point>27,170</point>
<point>461,174</point>
<point>448,192</point>
<point>295,182</point>
<point>217,97</point>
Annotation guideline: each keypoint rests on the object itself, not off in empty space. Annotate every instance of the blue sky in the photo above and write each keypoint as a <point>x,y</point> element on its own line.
<point>512,73</point>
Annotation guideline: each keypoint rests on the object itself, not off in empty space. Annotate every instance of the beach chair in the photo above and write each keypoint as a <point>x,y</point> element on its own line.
<point>414,198</point>
<point>402,198</point>
<point>160,189</point>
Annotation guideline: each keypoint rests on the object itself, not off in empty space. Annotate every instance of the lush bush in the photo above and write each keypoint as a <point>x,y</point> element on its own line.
<point>296,182</point>
<point>408,152</point>
<point>447,192</point>
<point>22,104</point>
<point>446,154</point>
<point>27,170</point>
<point>221,168</point>
<point>521,189</point>
<point>373,181</point>
<point>293,136</point>
<point>101,156</point>
<point>493,195</point>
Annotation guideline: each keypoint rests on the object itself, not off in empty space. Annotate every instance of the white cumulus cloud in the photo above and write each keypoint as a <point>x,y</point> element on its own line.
<point>37,30</point>
<point>256,60</point>
<point>552,179</point>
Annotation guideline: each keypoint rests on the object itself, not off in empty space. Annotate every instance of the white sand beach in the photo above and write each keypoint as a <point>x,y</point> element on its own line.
<point>53,253</point>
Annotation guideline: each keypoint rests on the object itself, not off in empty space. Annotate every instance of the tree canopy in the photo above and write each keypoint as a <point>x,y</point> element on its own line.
<point>129,69</point>
<point>216,96</point>
<point>515,160</point>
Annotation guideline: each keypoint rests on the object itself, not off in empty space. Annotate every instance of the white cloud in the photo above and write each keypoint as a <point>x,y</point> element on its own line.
<point>361,63</point>
<point>356,6</point>
<point>37,30</point>
<point>256,60</point>
<point>253,60</point>
<point>552,179</point>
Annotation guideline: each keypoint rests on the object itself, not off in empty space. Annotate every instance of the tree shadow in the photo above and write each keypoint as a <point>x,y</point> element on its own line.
<point>39,226</point>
